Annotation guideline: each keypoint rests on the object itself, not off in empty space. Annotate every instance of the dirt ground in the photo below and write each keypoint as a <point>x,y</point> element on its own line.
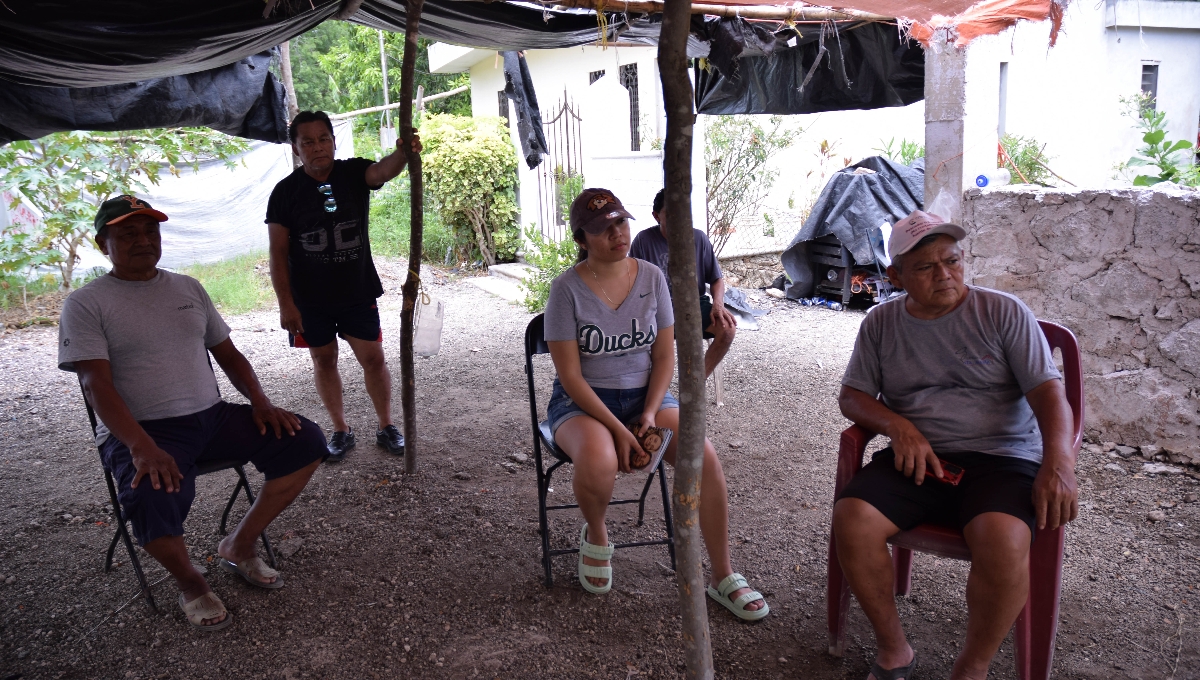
<point>437,575</point>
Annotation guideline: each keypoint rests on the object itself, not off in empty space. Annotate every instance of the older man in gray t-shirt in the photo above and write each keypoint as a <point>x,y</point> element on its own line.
<point>139,338</point>
<point>953,375</point>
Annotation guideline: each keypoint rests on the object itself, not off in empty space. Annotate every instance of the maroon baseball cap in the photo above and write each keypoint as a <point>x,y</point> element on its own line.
<point>595,210</point>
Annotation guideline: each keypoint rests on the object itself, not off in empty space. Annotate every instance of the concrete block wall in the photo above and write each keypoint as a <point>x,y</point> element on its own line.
<point>1122,270</point>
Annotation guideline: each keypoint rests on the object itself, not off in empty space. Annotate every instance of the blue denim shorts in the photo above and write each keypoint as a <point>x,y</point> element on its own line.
<point>626,405</point>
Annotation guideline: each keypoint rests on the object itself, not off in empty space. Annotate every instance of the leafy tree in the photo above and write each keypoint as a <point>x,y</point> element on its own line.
<point>67,175</point>
<point>1167,157</point>
<point>336,68</point>
<point>737,151</point>
<point>471,174</point>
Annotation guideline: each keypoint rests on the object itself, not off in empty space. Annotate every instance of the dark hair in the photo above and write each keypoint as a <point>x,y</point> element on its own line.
<point>659,199</point>
<point>920,244</point>
<point>308,117</point>
<point>580,238</point>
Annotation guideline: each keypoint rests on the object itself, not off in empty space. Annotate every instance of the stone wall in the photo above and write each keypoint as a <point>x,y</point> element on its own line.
<point>1122,270</point>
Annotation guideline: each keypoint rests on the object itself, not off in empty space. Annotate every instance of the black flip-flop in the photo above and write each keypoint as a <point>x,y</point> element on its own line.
<point>905,672</point>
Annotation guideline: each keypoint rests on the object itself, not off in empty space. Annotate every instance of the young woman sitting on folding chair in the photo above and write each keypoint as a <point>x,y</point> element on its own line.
<point>610,330</point>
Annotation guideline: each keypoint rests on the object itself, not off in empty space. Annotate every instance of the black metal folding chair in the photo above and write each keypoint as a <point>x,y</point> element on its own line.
<point>535,343</point>
<point>122,532</point>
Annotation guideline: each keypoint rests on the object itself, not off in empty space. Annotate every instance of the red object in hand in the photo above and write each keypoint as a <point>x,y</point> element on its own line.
<point>951,473</point>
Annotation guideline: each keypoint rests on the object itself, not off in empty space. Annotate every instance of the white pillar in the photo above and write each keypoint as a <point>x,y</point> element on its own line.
<point>945,104</point>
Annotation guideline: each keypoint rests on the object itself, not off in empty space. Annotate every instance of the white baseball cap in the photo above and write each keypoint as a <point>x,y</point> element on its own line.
<point>919,224</point>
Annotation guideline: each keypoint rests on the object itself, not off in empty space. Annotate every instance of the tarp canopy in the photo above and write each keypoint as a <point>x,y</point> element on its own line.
<point>808,70</point>
<point>243,99</point>
<point>142,46</point>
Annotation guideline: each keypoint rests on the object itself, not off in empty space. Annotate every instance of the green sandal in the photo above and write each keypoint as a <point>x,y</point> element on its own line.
<point>595,552</point>
<point>731,583</point>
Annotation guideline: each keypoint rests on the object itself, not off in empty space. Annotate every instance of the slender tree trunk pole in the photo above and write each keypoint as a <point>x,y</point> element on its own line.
<point>285,69</point>
<point>408,387</point>
<point>689,456</point>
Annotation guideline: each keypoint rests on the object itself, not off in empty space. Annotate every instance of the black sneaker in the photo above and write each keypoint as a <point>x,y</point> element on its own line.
<point>391,439</point>
<point>339,445</point>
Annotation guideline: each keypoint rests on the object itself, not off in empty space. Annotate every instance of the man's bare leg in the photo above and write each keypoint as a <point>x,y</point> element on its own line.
<point>171,552</point>
<point>996,589</point>
<point>722,341</point>
<point>329,383</point>
<point>276,495</point>
<point>862,532</point>
<point>377,376</point>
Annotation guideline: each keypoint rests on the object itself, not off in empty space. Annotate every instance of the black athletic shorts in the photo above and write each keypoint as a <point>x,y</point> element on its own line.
<point>706,316</point>
<point>322,325</point>
<point>989,484</point>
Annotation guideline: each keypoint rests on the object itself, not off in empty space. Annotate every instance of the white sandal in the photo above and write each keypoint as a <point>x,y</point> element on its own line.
<point>207,606</point>
<point>734,582</point>
<point>586,571</point>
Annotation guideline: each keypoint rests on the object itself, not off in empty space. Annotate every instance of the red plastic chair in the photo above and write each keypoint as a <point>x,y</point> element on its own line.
<point>1038,622</point>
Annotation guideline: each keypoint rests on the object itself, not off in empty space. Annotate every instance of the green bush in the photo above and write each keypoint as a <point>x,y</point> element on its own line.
<point>471,175</point>
<point>391,217</point>
<point>238,285</point>
<point>1170,160</point>
<point>549,258</point>
<point>1027,159</point>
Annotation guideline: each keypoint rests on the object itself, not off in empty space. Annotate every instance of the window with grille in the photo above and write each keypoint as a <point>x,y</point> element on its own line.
<point>595,75</point>
<point>629,78</point>
<point>503,99</point>
<point>1150,83</point>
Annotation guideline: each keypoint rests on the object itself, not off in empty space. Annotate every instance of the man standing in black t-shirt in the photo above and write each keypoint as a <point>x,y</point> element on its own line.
<point>322,271</point>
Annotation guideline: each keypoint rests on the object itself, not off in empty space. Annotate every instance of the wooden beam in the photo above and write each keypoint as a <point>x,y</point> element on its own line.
<point>689,452</point>
<point>377,109</point>
<point>408,377</point>
<point>799,14</point>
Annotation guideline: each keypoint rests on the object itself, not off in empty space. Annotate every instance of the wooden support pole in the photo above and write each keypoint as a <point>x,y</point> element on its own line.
<point>689,456</point>
<point>408,378</point>
<point>766,13</point>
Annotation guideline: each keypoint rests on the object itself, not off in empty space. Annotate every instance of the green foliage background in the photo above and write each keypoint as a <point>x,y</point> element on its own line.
<point>67,175</point>
<point>737,151</point>
<point>336,68</point>
<point>550,258</point>
<point>471,176</point>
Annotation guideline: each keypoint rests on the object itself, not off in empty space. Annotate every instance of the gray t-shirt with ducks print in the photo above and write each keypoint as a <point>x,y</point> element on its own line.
<point>614,345</point>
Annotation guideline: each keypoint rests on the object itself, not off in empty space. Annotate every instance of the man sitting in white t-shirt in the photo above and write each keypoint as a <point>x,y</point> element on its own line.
<point>139,339</point>
<point>960,374</point>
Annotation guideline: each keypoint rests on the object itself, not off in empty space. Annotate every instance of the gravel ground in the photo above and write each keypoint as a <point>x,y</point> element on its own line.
<point>437,575</point>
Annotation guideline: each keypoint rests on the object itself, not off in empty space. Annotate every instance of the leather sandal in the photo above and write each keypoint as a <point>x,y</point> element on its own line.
<point>207,606</point>
<point>898,673</point>
<point>253,570</point>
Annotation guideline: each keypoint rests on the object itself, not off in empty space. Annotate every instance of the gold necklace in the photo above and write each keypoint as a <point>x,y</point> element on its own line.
<point>628,275</point>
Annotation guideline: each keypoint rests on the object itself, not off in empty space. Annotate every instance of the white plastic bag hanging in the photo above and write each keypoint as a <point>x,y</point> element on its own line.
<point>427,339</point>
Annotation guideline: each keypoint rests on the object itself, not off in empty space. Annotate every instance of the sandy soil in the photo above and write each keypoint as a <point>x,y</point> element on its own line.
<point>437,575</point>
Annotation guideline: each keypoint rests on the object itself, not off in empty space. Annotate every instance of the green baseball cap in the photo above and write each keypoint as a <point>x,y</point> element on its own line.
<point>116,209</point>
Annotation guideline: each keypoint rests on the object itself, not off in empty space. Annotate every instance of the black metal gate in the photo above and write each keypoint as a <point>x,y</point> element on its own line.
<point>560,175</point>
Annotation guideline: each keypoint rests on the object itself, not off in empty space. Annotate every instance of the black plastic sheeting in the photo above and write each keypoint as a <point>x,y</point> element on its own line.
<point>518,86</point>
<point>847,66</point>
<point>853,208</point>
<point>77,43</point>
<point>242,99</point>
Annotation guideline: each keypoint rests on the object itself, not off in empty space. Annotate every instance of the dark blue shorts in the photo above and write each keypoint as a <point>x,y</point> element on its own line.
<point>989,484</point>
<point>626,405</point>
<point>223,431</point>
<point>322,325</point>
